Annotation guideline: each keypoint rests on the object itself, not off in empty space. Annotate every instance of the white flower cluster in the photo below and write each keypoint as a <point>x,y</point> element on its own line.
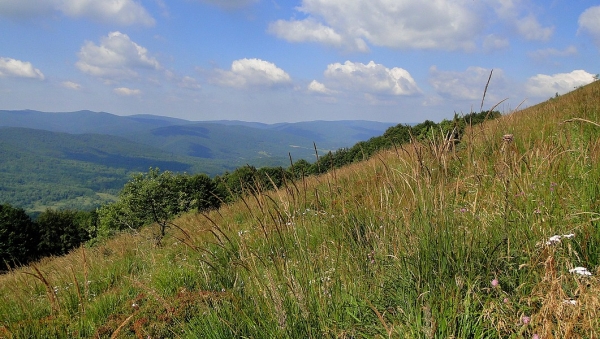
<point>580,270</point>
<point>555,239</point>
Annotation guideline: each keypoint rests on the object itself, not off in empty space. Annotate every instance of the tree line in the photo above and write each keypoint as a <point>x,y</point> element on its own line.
<point>157,197</point>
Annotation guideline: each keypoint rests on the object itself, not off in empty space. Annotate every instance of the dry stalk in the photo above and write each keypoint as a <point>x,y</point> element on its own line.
<point>49,291</point>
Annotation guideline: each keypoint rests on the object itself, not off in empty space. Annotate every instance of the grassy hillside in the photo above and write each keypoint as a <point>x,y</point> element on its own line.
<point>423,241</point>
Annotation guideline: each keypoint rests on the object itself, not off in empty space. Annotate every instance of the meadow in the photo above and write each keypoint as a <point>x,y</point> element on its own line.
<point>495,237</point>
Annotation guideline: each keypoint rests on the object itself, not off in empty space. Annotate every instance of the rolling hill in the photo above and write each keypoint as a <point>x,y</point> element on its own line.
<point>81,159</point>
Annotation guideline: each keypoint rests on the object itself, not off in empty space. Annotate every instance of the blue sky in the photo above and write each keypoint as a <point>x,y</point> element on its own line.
<point>285,61</point>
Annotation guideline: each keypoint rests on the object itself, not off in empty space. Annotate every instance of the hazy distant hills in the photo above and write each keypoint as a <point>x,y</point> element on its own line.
<point>205,139</point>
<point>72,158</point>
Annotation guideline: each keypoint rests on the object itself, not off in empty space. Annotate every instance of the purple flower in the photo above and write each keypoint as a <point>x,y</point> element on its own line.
<point>525,319</point>
<point>505,300</point>
<point>495,283</point>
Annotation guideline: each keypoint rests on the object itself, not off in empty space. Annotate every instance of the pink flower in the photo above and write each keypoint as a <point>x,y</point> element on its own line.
<point>506,300</point>
<point>525,319</point>
<point>535,336</point>
<point>495,283</point>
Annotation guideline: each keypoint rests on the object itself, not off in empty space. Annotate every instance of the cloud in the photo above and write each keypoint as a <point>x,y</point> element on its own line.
<point>441,24</point>
<point>515,14</point>
<point>467,85</point>
<point>182,81</point>
<point>589,22</point>
<point>19,69</point>
<point>124,91</point>
<point>22,9</point>
<point>122,12</point>
<point>530,29</point>
<point>319,88</point>
<point>117,57</point>
<point>188,82</point>
<point>305,30</point>
<point>230,4</point>
<point>552,52</point>
<point>71,85</point>
<point>251,72</point>
<point>310,30</point>
<point>492,43</point>
<point>543,85</point>
<point>371,78</point>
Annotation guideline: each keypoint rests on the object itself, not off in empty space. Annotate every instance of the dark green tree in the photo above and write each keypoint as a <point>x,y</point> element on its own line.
<point>204,192</point>
<point>156,197</point>
<point>19,237</point>
<point>61,231</point>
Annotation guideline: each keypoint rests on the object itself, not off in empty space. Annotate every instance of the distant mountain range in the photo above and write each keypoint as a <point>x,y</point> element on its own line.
<point>69,155</point>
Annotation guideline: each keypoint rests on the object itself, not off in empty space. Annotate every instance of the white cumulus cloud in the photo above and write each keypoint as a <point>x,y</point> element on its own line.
<point>371,78</point>
<point>542,85</point>
<point>122,12</point>
<point>124,91</point>
<point>589,22</point>
<point>71,85</point>
<point>319,88</point>
<point>467,85</point>
<point>19,69</point>
<point>305,30</point>
<point>251,72</point>
<point>440,24</point>
<point>116,57</point>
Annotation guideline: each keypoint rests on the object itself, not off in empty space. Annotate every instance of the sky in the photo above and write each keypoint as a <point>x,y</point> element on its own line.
<point>399,61</point>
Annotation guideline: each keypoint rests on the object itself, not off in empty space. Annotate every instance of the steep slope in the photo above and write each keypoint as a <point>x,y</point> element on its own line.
<point>495,238</point>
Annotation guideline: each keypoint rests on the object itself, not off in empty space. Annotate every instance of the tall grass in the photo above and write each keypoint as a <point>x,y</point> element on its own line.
<point>422,241</point>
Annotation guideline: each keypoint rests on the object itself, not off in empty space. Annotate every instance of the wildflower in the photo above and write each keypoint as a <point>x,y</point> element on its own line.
<point>580,270</point>
<point>555,239</point>
<point>535,336</point>
<point>570,301</point>
<point>495,283</point>
<point>505,300</point>
<point>525,319</point>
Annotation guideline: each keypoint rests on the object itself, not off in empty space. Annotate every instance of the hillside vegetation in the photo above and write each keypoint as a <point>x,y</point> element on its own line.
<point>497,237</point>
<point>80,160</point>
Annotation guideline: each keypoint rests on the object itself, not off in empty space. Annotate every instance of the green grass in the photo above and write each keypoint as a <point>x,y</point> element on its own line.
<point>405,245</point>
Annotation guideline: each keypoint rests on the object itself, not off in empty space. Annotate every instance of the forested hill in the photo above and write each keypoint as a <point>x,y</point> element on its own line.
<point>82,159</point>
<point>41,169</point>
